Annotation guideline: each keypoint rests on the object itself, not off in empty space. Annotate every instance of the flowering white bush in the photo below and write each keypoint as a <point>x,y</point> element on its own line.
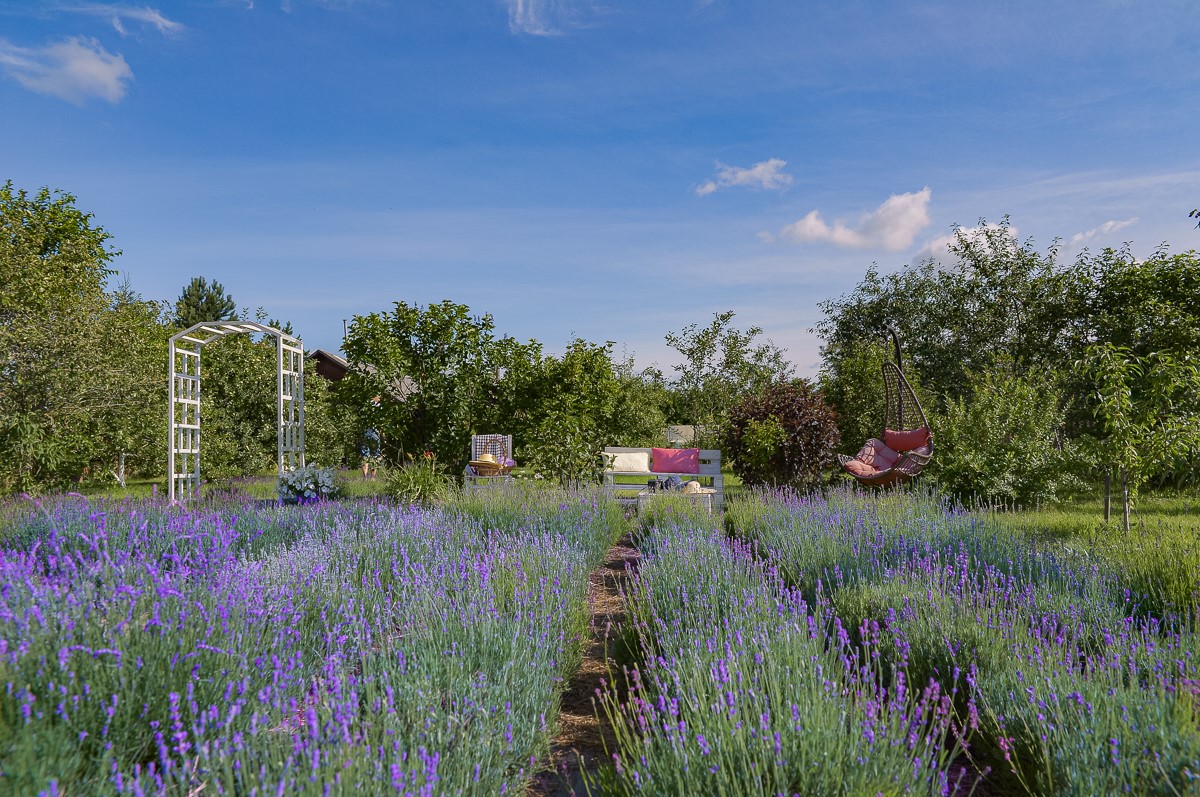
<point>307,484</point>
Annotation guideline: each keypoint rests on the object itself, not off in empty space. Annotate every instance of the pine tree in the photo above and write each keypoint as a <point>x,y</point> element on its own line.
<point>201,301</point>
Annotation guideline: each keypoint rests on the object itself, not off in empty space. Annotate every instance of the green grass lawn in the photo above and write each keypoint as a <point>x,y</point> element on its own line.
<point>1085,516</point>
<point>1160,554</point>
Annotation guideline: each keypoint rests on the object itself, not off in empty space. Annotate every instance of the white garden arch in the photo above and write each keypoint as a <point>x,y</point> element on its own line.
<point>183,464</point>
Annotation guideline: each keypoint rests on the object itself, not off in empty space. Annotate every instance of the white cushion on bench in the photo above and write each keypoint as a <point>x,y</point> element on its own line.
<point>637,462</point>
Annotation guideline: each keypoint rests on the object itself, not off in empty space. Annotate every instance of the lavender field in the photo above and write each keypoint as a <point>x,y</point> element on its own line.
<point>328,649</point>
<point>836,645</point>
<point>859,645</point>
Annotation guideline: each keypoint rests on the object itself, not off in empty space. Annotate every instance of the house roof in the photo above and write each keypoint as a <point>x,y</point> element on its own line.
<point>334,368</point>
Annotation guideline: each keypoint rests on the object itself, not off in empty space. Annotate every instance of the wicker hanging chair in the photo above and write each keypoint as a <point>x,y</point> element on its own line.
<point>906,446</point>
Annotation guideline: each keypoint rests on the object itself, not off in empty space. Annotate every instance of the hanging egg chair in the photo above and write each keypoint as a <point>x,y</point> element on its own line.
<point>906,446</point>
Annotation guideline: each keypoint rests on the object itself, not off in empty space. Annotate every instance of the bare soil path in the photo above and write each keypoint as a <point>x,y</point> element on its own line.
<point>583,732</point>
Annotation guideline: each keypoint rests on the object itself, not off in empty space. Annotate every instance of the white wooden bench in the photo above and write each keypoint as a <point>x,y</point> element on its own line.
<point>709,476</point>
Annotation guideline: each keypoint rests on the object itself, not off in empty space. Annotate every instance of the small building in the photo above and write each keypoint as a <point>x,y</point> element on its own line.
<point>329,365</point>
<point>334,368</point>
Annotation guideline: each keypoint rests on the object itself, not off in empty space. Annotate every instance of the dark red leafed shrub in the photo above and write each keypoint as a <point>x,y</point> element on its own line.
<point>784,435</point>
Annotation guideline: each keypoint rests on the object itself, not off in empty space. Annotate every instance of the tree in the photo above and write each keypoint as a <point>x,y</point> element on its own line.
<point>721,364</point>
<point>203,301</point>
<point>436,370</point>
<point>128,423</point>
<point>580,407</point>
<point>53,265</point>
<point>1001,300</point>
<point>1003,441</point>
<point>851,381</point>
<point>998,299</point>
<point>783,435</point>
<point>1150,409</point>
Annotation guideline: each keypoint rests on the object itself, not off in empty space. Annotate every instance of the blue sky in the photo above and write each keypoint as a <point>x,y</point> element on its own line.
<point>606,170</point>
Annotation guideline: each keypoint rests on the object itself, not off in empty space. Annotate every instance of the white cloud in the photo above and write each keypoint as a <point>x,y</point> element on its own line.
<point>1103,229</point>
<point>119,14</point>
<point>75,69</point>
<point>767,174</point>
<point>892,226</point>
<point>939,248</point>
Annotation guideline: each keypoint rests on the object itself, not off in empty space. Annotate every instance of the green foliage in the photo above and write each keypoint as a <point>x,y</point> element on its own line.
<point>566,447</point>
<point>784,435</point>
<point>435,370</point>
<point>443,374</point>
<point>721,364</point>
<point>238,406</point>
<point>851,382</point>
<point>1150,410</point>
<point>200,301</point>
<point>330,433</point>
<point>81,377</point>
<point>420,480</point>
<point>761,441</point>
<point>999,298</point>
<point>1003,442</point>
<point>310,483</point>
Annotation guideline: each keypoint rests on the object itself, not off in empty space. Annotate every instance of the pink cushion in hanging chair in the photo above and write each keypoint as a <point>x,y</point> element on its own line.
<point>906,441</point>
<point>860,468</point>
<point>875,454</point>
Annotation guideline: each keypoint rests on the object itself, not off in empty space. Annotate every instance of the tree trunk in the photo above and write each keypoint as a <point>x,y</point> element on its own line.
<point>1124,499</point>
<point>1107,496</point>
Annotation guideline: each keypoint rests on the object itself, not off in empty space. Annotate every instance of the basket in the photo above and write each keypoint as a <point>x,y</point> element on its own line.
<point>484,468</point>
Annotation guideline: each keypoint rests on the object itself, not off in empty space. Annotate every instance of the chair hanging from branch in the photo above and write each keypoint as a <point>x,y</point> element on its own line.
<point>906,446</point>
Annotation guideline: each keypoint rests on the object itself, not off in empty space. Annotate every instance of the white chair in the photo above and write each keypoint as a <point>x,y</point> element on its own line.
<point>499,446</point>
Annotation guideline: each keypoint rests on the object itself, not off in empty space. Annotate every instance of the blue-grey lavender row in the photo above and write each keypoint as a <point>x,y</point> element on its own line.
<point>309,650</point>
<point>1079,690</point>
<point>746,689</point>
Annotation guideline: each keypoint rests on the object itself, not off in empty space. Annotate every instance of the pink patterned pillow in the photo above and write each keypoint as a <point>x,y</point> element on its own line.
<point>906,441</point>
<point>877,455</point>
<point>676,460</point>
<point>859,468</point>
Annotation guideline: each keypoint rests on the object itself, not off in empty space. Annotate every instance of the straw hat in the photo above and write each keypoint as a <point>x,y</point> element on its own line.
<point>486,457</point>
<point>693,488</point>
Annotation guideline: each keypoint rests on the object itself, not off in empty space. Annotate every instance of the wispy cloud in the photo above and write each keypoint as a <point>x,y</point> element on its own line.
<point>120,14</point>
<point>767,174</point>
<point>1105,228</point>
<point>76,69</point>
<point>939,248</point>
<point>892,226</point>
<point>536,17</point>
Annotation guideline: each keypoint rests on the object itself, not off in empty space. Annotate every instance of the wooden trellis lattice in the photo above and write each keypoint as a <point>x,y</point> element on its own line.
<point>183,464</point>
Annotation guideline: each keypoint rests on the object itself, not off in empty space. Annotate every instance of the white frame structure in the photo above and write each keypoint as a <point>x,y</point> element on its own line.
<point>183,462</point>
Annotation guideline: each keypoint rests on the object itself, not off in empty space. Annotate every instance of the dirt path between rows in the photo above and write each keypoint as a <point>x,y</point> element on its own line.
<point>582,736</point>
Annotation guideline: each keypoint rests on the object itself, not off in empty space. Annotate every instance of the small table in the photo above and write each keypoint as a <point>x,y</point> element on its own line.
<point>644,497</point>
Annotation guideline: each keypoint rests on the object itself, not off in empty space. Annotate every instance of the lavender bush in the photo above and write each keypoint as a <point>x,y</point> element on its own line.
<point>748,690</point>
